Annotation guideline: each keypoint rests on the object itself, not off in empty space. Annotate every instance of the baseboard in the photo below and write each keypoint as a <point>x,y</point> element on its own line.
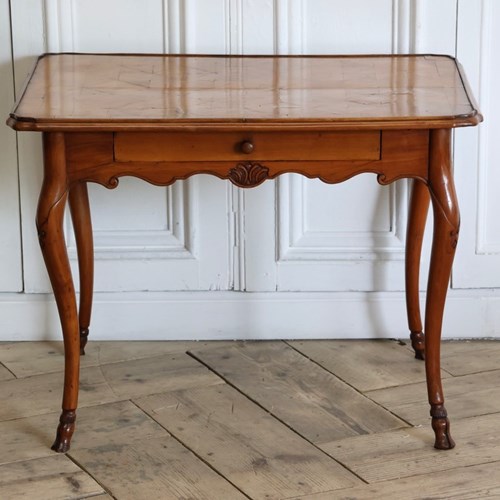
<point>236,315</point>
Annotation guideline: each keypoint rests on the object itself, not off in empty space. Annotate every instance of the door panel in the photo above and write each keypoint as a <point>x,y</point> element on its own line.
<point>146,237</point>
<point>10,231</point>
<point>476,151</point>
<point>323,238</point>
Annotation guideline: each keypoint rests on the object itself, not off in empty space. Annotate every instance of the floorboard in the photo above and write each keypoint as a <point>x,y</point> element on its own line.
<point>308,420</point>
<point>49,478</point>
<point>42,394</point>
<point>5,374</point>
<point>365,364</point>
<point>465,396</point>
<point>25,359</point>
<point>479,356</point>
<point>410,452</point>
<point>461,483</point>
<point>306,397</point>
<point>154,468</point>
<point>245,444</point>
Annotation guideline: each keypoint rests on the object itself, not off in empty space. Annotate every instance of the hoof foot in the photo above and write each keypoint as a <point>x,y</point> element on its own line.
<point>441,427</point>
<point>64,432</point>
<point>60,446</point>
<point>418,344</point>
<point>84,334</point>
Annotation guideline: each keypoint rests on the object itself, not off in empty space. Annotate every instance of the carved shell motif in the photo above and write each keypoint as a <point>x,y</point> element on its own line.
<point>248,174</point>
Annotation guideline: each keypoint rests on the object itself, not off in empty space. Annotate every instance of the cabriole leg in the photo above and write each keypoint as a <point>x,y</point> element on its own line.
<point>446,227</point>
<point>419,207</point>
<point>82,223</point>
<point>49,221</point>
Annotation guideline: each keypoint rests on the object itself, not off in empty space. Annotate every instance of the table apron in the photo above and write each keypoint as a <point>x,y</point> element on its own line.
<point>390,154</point>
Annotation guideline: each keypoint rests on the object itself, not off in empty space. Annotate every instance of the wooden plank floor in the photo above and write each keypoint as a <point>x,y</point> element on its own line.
<point>314,420</point>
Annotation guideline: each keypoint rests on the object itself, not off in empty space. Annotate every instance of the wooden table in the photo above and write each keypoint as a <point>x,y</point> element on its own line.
<point>246,119</point>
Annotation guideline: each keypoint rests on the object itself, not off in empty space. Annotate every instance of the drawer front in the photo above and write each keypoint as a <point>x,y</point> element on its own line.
<point>228,146</point>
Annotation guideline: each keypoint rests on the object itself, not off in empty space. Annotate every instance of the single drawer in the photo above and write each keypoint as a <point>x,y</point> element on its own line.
<point>228,146</point>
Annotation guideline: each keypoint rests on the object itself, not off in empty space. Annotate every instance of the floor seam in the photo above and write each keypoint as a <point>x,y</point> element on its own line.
<point>351,386</point>
<point>10,371</point>
<point>229,383</point>
<point>81,467</point>
<point>199,457</point>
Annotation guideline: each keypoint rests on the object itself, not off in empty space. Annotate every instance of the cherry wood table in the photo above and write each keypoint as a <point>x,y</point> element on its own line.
<point>246,119</point>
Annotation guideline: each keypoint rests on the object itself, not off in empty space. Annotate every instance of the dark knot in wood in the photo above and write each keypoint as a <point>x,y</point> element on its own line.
<point>41,237</point>
<point>454,238</point>
<point>248,174</point>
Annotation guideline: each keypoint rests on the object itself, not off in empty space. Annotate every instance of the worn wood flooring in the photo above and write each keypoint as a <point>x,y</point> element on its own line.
<point>315,420</point>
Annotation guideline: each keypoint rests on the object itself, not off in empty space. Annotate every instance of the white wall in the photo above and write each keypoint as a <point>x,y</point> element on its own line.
<point>170,262</point>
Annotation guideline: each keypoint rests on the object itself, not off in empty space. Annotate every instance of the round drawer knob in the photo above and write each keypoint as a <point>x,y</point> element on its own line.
<point>247,147</point>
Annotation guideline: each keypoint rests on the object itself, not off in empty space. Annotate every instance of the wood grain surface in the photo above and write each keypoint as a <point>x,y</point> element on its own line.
<point>227,146</point>
<point>461,483</point>
<point>269,372</point>
<point>403,453</point>
<point>251,448</point>
<point>385,363</point>
<point>210,442</point>
<point>112,92</point>
<point>477,393</point>
<point>55,478</point>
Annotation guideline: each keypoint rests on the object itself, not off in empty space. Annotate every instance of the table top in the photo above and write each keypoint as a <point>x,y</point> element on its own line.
<point>111,92</point>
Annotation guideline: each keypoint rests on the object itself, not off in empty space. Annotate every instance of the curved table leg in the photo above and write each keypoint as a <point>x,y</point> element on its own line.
<point>446,227</point>
<point>82,223</point>
<point>417,217</point>
<point>49,221</point>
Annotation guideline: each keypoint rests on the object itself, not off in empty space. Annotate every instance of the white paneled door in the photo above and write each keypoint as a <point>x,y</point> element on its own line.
<point>321,237</point>
<point>320,260</point>
<point>146,238</point>
<point>477,156</point>
<point>10,230</point>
